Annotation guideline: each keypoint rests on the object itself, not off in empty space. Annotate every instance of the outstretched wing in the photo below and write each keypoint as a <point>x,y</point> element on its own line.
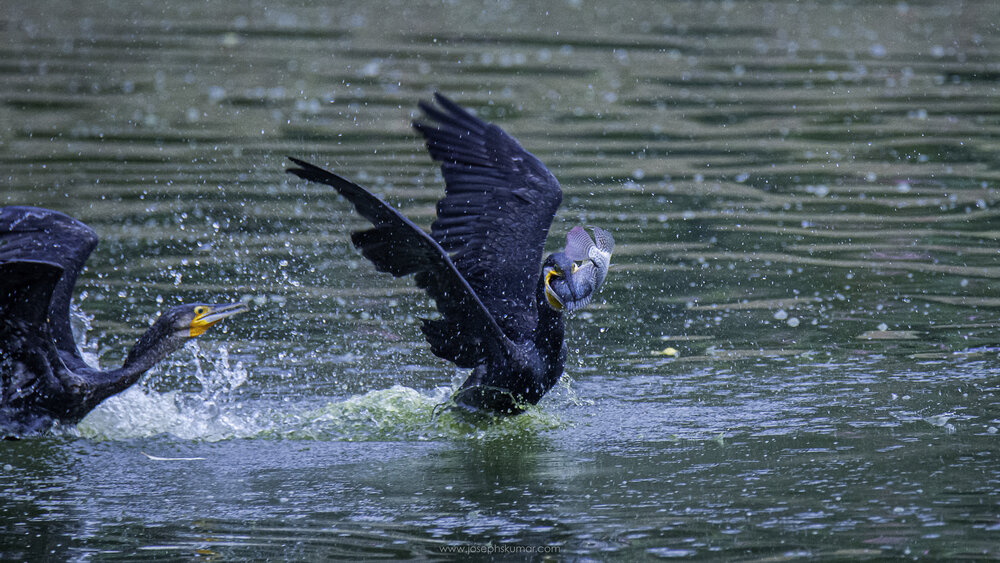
<point>397,246</point>
<point>35,234</point>
<point>498,206</point>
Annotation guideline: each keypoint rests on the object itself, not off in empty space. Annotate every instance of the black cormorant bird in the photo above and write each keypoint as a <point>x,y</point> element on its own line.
<point>501,307</point>
<point>43,376</point>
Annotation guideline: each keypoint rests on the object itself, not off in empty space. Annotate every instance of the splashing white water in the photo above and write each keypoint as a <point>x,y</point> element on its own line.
<point>396,413</point>
<point>136,413</point>
<point>212,414</point>
<point>219,411</point>
<point>403,413</point>
<point>220,381</point>
<point>81,324</point>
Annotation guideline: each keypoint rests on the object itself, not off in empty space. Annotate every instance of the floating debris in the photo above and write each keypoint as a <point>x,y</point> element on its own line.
<point>158,458</point>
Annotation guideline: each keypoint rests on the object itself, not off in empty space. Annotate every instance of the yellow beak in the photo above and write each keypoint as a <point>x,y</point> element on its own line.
<point>550,295</point>
<point>208,315</point>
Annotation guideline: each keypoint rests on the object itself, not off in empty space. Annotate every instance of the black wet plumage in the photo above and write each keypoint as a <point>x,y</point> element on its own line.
<point>481,262</point>
<point>43,377</point>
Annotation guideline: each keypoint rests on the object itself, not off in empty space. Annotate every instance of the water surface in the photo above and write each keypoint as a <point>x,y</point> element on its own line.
<point>803,195</point>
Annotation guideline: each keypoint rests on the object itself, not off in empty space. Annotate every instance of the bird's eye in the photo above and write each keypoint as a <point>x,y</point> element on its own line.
<point>199,311</point>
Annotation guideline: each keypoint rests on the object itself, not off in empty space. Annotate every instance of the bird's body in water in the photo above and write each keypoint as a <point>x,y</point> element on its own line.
<point>501,306</point>
<point>43,377</point>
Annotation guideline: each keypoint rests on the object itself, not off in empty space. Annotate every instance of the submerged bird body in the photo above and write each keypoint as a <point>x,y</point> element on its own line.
<point>500,305</point>
<point>43,377</point>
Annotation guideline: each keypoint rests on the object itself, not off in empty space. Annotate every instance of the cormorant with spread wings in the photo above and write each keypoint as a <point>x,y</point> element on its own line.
<point>43,377</point>
<point>501,306</point>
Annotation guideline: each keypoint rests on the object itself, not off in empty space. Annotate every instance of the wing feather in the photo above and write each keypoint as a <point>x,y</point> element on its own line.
<point>397,246</point>
<point>498,206</point>
<point>35,234</point>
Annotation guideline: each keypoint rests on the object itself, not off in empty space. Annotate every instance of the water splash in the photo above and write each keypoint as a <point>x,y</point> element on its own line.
<point>81,323</point>
<point>214,413</point>
<point>219,382</point>
<point>138,413</point>
<point>403,413</point>
<point>220,412</point>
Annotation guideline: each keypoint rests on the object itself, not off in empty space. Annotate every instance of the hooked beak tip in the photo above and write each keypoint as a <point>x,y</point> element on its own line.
<point>220,312</point>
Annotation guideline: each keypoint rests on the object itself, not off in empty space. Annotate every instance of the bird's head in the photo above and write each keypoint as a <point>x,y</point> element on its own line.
<point>176,326</point>
<point>573,276</point>
<point>191,320</point>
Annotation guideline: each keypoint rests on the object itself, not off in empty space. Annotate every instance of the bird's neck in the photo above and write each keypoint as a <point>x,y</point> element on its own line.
<point>549,341</point>
<point>147,352</point>
<point>551,326</point>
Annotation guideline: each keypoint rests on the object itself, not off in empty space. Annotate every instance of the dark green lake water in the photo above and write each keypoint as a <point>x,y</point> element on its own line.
<point>805,200</point>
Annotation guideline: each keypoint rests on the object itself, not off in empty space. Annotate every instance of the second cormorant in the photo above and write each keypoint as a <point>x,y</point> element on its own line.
<point>43,377</point>
<point>501,306</point>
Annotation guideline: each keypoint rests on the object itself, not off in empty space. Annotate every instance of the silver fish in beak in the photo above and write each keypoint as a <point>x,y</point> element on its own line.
<point>596,257</point>
<point>573,290</point>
